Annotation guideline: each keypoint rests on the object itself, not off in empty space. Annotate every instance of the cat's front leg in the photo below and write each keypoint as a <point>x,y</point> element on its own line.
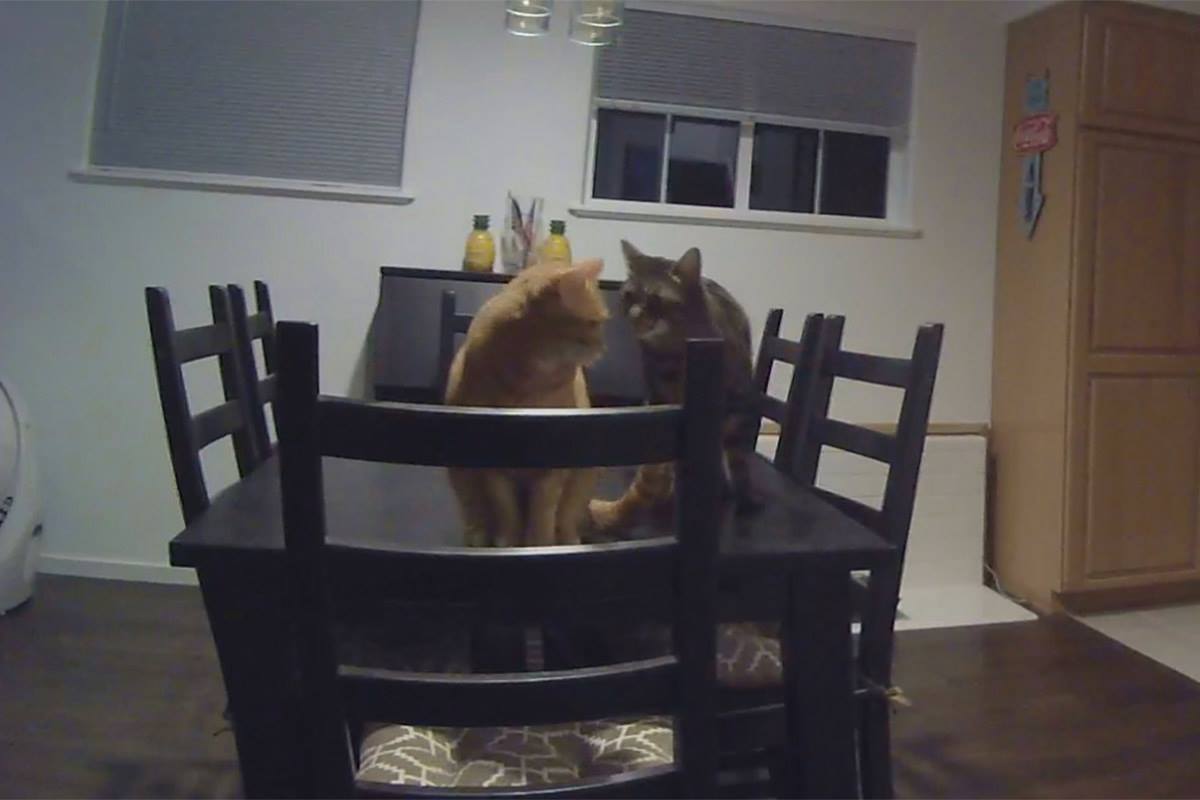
<point>505,507</point>
<point>473,503</point>
<point>573,506</point>
<point>544,495</point>
<point>652,487</point>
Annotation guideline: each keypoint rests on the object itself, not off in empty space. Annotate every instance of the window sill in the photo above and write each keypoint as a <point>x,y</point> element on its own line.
<point>769,220</point>
<point>238,184</point>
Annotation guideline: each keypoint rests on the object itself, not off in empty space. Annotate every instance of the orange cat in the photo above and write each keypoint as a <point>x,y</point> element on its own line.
<point>526,349</point>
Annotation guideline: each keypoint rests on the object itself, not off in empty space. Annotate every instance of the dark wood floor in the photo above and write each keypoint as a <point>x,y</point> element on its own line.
<point>111,689</point>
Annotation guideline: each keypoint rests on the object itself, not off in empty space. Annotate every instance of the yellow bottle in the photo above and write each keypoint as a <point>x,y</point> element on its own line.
<point>481,248</point>
<point>556,247</point>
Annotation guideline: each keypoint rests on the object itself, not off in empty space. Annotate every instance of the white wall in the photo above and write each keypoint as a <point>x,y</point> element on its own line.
<point>488,112</point>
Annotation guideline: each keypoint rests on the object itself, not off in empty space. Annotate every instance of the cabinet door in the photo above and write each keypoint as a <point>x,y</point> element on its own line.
<point>1141,70</point>
<point>1139,208</point>
<point>1143,466</point>
<point>1134,427</point>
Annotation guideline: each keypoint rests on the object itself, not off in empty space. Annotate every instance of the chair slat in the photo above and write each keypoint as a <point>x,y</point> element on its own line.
<point>527,698</point>
<point>259,325</point>
<point>508,438</point>
<point>782,350</point>
<point>202,341</point>
<point>172,394</point>
<point>267,388</point>
<point>262,302</point>
<point>772,408</point>
<point>523,582</point>
<point>866,368</point>
<point>863,441</point>
<point>247,328</point>
<point>213,423</point>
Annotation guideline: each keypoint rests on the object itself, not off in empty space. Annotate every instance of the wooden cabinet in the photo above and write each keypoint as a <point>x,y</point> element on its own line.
<point>1096,372</point>
<point>1137,212</point>
<point>1141,70</point>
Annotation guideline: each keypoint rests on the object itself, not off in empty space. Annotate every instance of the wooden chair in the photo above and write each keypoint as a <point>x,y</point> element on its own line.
<point>248,328</point>
<point>901,451</point>
<point>801,355</point>
<point>188,433</point>
<point>877,599</point>
<point>669,578</point>
<point>452,324</point>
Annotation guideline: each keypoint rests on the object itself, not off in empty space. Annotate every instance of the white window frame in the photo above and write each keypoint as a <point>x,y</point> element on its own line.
<point>897,223</point>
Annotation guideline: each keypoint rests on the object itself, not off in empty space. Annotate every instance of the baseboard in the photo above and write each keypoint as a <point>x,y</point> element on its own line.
<point>111,569</point>
<point>1126,598</point>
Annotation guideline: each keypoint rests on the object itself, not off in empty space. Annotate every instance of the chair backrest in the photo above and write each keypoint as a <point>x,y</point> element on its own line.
<point>672,576</point>
<point>451,325</point>
<point>248,328</point>
<point>802,356</point>
<point>188,433</point>
<point>900,451</point>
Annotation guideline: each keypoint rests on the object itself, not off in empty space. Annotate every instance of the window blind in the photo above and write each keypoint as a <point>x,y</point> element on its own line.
<point>282,89</point>
<point>755,68</point>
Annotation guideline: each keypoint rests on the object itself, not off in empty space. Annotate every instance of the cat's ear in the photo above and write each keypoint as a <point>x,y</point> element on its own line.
<point>574,285</point>
<point>631,253</point>
<point>687,268</point>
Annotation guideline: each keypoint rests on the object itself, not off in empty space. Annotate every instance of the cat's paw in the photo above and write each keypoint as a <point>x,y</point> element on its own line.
<point>605,515</point>
<point>562,536</point>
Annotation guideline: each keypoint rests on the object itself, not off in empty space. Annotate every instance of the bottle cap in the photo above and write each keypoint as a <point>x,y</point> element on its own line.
<point>558,226</point>
<point>481,222</point>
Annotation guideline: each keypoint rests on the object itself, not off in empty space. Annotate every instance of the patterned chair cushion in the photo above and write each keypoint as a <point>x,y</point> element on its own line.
<point>525,756</point>
<point>748,656</point>
<point>748,653</point>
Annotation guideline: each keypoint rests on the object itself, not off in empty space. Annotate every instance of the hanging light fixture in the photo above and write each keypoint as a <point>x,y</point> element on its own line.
<point>527,17</point>
<point>595,22</point>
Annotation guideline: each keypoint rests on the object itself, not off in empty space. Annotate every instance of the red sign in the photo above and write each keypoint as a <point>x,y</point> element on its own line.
<point>1036,133</point>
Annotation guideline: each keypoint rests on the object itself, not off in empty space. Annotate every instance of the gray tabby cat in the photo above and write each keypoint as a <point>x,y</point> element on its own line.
<point>668,301</point>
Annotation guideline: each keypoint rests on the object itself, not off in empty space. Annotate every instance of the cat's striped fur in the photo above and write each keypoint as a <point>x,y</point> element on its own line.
<point>667,302</point>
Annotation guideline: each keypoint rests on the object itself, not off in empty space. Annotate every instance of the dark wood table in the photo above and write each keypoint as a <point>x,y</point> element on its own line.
<point>795,541</point>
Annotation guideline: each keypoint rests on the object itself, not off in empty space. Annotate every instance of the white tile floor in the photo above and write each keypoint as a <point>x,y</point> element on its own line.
<point>1169,635</point>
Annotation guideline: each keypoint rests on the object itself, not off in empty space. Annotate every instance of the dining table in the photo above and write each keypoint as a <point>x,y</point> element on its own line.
<point>793,540</point>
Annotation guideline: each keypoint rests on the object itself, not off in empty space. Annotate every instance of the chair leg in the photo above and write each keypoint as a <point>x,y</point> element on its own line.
<point>875,748</point>
<point>785,777</point>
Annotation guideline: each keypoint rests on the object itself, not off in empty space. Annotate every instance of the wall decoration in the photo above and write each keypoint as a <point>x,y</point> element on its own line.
<point>1036,133</point>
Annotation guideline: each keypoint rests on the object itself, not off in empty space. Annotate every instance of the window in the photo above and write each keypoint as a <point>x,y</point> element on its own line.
<point>699,111</point>
<point>284,91</point>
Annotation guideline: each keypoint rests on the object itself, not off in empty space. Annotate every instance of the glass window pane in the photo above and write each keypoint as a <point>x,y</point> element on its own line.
<point>703,162</point>
<point>783,177</point>
<point>629,155</point>
<point>854,170</point>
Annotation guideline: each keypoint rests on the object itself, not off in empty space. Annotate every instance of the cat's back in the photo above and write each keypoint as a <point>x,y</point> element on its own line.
<point>727,313</point>
<point>500,361</point>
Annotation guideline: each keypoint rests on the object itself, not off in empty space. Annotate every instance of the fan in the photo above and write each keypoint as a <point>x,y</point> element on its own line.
<point>20,502</point>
